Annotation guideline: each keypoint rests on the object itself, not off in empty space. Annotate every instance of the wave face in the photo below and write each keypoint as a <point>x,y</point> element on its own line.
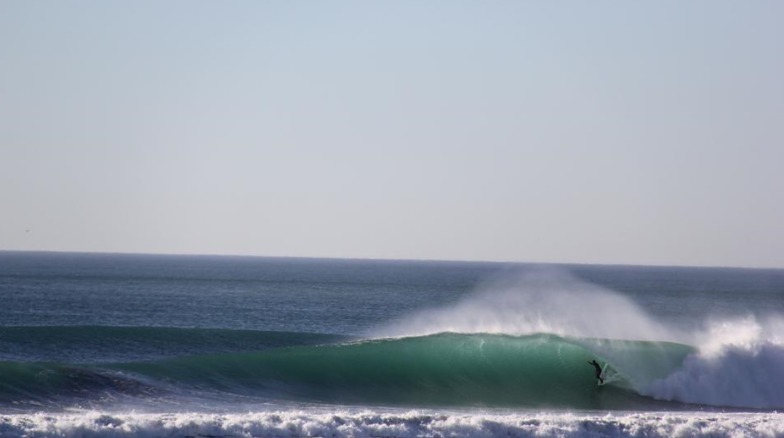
<point>446,369</point>
<point>438,370</point>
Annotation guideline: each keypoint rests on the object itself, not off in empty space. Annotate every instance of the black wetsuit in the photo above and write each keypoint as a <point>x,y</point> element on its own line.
<point>598,370</point>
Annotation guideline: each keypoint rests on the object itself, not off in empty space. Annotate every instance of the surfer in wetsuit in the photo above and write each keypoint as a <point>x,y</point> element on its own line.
<point>598,370</point>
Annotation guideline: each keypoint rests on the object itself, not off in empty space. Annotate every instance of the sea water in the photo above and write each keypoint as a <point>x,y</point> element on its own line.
<point>146,345</point>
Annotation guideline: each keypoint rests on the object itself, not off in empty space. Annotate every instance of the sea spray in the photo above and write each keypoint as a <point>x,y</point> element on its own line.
<point>540,300</point>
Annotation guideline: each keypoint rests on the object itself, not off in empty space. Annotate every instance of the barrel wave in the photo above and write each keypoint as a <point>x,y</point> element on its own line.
<point>437,370</point>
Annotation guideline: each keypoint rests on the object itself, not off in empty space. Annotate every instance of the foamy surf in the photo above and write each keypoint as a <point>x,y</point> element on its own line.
<point>740,363</point>
<point>390,423</point>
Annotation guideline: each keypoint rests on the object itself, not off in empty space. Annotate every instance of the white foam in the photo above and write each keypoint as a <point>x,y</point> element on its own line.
<point>740,363</point>
<point>378,423</point>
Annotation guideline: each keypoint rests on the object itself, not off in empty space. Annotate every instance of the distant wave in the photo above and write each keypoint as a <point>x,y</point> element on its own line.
<point>102,344</point>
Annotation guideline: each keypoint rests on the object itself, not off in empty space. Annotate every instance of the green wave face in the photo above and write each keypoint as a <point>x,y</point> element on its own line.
<point>445,369</point>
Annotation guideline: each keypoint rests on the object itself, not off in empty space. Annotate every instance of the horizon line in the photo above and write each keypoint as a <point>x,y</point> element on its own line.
<point>384,259</point>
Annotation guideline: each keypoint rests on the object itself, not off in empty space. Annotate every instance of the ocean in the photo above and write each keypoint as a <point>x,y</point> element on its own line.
<point>110,345</point>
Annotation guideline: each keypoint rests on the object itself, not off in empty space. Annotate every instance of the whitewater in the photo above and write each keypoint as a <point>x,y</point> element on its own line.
<point>132,345</point>
<point>341,422</point>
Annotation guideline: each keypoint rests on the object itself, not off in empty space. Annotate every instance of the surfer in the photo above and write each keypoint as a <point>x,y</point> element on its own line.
<point>598,370</point>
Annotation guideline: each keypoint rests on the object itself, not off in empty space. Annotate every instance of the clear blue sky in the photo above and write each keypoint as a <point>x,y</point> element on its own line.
<point>542,131</point>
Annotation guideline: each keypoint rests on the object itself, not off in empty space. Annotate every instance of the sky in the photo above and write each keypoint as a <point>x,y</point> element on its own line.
<point>607,132</point>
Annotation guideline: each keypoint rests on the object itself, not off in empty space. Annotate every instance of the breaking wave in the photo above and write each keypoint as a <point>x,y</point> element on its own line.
<point>435,370</point>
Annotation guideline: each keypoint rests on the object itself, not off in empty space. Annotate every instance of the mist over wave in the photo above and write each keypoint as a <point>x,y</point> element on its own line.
<point>543,300</point>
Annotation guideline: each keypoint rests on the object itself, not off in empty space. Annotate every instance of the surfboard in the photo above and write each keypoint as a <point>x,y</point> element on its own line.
<point>609,375</point>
